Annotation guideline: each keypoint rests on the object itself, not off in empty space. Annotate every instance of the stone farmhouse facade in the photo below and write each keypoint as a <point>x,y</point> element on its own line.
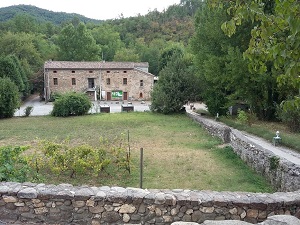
<point>118,81</point>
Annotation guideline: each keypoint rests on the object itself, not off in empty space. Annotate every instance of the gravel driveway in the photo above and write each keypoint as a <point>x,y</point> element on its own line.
<point>40,108</point>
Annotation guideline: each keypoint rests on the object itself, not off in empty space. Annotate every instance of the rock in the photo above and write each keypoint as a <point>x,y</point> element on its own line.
<point>225,222</point>
<point>28,193</point>
<point>281,220</point>
<point>127,209</point>
<point>184,223</point>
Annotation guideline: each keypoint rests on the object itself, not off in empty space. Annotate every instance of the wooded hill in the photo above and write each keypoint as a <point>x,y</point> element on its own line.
<point>41,15</point>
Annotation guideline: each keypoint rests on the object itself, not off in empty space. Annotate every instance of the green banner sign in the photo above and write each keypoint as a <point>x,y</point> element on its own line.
<point>117,94</point>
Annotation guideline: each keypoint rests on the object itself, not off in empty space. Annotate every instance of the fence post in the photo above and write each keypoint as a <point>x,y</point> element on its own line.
<point>141,167</point>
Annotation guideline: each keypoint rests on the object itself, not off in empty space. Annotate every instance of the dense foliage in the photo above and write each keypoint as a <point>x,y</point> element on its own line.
<point>177,84</point>
<point>13,166</point>
<point>71,104</point>
<point>273,51</point>
<point>41,15</point>
<point>64,159</point>
<point>9,98</point>
<point>243,52</point>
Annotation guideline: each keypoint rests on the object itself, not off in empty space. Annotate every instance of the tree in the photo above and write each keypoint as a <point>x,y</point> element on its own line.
<point>126,54</point>
<point>275,37</point>
<point>168,52</point>
<point>108,39</point>
<point>9,98</point>
<point>9,68</point>
<point>175,86</point>
<point>77,44</point>
<point>23,47</point>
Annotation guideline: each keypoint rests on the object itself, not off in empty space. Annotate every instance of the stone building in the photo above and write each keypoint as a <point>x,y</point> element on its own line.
<point>114,80</point>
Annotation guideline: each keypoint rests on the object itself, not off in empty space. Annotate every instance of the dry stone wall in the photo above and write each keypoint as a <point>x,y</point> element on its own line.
<point>283,174</point>
<point>66,204</point>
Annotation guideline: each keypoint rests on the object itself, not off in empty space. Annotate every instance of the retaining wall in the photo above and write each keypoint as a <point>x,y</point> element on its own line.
<point>283,174</point>
<point>65,204</point>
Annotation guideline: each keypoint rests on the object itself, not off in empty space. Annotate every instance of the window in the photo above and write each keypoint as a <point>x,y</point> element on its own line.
<point>108,81</point>
<point>54,71</point>
<point>73,81</point>
<point>141,83</point>
<point>107,71</point>
<point>125,81</point>
<point>91,82</point>
<point>124,71</point>
<point>73,71</point>
<point>91,71</point>
<point>55,81</point>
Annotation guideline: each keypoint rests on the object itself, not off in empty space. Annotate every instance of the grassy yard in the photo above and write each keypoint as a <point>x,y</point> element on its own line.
<point>178,153</point>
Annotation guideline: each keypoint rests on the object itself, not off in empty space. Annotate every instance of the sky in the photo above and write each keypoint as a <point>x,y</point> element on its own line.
<point>97,9</point>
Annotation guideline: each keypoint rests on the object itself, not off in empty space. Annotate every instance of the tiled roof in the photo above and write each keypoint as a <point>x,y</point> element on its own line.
<point>93,65</point>
<point>71,65</point>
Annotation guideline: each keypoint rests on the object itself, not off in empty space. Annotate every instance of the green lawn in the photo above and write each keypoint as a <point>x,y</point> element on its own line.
<point>178,153</point>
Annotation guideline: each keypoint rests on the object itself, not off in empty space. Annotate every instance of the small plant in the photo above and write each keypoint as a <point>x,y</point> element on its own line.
<point>246,118</point>
<point>28,110</point>
<point>274,162</point>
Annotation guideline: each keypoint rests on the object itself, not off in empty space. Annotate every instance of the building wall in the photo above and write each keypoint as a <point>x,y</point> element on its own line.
<point>133,88</point>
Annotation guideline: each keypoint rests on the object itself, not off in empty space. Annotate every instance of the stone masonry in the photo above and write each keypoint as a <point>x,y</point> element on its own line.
<point>66,204</point>
<point>133,79</point>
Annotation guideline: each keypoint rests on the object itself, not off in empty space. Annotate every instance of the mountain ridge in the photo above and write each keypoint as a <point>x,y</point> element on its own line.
<point>41,15</point>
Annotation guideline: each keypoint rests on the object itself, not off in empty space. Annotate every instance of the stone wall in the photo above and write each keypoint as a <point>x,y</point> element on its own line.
<point>65,204</point>
<point>283,174</point>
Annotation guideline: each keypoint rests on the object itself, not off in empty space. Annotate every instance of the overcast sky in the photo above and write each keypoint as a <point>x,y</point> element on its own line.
<point>101,9</point>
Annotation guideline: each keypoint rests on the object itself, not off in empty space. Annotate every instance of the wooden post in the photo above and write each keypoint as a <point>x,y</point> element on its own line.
<point>141,167</point>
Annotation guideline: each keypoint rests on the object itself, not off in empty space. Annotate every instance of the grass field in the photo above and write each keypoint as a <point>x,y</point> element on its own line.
<point>178,153</point>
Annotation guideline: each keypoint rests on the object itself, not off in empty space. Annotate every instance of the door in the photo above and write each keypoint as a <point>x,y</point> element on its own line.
<point>125,96</point>
<point>108,95</point>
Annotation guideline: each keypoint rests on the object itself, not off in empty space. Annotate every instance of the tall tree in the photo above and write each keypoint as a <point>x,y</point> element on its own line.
<point>275,38</point>
<point>109,41</point>
<point>9,69</point>
<point>77,44</point>
<point>9,98</point>
<point>177,84</point>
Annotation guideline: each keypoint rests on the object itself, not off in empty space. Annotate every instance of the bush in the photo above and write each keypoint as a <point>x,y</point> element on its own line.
<point>64,159</point>
<point>71,104</point>
<point>289,112</point>
<point>28,111</point>
<point>9,98</point>
<point>13,167</point>
<point>246,118</point>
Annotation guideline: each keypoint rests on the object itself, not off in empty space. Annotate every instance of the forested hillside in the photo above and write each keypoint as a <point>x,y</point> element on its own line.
<point>40,15</point>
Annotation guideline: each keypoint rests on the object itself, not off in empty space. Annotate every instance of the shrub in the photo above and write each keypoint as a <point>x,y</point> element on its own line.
<point>71,104</point>
<point>65,159</point>
<point>28,111</point>
<point>9,98</point>
<point>246,118</point>
<point>289,112</point>
<point>13,167</point>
